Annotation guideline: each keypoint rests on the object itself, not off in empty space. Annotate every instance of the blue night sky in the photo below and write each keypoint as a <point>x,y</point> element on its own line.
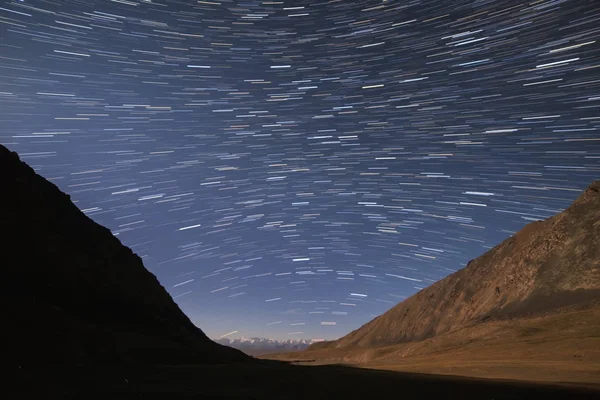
<point>291,169</point>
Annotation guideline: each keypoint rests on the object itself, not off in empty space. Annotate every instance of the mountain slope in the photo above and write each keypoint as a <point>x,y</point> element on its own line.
<point>74,293</point>
<point>547,265</point>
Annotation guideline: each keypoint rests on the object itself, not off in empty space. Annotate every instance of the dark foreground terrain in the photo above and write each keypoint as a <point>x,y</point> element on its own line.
<point>266,380</point>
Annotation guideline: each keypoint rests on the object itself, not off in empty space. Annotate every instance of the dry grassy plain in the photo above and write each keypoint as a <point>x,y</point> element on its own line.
<point>563,347</point>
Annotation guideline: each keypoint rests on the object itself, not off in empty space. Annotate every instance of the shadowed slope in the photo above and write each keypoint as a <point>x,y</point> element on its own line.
<point>547,265</point>
<point>75,293</point>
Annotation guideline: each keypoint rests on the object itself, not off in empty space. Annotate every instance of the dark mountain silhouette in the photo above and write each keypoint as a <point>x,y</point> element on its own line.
<point>74,293</point>
<point>545,267</point>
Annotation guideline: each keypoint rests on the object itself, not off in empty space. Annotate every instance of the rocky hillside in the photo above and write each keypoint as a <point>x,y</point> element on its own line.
<point>547,265</point>
<point>73,293</point>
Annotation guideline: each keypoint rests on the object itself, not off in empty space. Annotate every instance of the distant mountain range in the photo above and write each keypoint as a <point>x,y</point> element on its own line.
<point>257,346</point>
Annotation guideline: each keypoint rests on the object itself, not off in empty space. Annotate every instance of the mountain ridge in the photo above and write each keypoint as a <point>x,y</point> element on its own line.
<point>76,293</point>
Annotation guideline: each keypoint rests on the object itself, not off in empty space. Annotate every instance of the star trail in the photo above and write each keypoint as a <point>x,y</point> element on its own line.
<point>292,169</point>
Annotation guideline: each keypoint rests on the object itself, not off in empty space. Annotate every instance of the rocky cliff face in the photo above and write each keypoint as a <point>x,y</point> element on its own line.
<point>74,293</point>
<point>547,265</point>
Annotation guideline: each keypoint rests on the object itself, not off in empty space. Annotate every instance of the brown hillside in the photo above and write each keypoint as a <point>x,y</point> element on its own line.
<point>547,265</point>
<point>74,294</point>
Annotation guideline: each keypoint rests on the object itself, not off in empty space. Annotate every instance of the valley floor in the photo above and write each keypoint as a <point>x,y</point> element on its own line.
<point>264,380</point>
<point>560,348</point>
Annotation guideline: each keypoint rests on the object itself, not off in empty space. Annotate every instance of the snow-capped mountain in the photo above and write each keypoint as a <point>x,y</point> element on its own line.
<point>257,346</point>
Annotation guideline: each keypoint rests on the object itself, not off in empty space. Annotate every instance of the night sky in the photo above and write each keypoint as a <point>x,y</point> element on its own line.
<point>291,169</point>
